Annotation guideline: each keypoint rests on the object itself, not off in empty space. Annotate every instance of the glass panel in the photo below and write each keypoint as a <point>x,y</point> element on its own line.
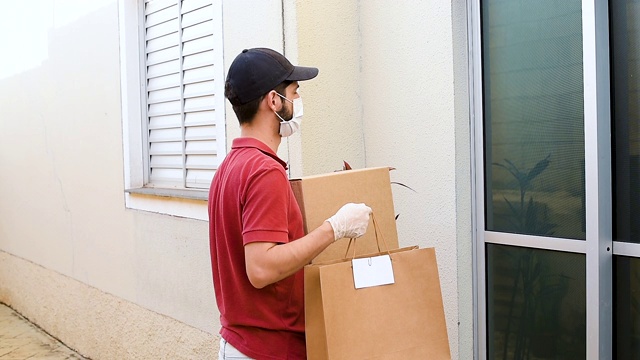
<point>625,78</point>
<point>536,304</point>
<point>625,68</point>
<point>627,308</point>
<point>533,117</point>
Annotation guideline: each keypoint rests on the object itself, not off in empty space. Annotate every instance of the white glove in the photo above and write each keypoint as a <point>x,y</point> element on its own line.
<point>351,221</point>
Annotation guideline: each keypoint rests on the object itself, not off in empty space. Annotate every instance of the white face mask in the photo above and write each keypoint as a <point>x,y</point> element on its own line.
<point>290,127</point>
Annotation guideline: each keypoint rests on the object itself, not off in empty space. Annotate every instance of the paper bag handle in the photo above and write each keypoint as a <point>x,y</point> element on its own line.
<point>378,232</point>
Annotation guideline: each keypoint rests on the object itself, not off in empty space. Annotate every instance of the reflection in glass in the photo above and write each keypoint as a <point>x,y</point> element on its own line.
<point>536,307</point>
<point>627,308</point>
<point>625,69</point>
<point>533,117</point>
<point>625,90</point>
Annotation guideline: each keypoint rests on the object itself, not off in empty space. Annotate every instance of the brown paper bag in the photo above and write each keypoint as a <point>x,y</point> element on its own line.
<point>403,320</point>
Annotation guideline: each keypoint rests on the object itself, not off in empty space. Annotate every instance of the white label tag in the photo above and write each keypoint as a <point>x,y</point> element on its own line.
<point>372,271</point>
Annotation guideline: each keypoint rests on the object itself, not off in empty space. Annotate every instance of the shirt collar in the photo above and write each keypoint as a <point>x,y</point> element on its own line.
<point>249,142</point>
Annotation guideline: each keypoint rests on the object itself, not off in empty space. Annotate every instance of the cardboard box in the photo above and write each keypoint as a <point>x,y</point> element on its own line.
<point>321,196</point>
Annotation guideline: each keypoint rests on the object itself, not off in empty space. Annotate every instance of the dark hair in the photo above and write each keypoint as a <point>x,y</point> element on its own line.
<point>246,112</point>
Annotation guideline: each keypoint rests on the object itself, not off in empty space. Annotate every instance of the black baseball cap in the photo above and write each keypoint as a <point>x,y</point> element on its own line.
<point>255,72</point>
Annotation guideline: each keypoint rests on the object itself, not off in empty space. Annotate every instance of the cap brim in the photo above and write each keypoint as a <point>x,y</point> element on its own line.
<point>301,73</point>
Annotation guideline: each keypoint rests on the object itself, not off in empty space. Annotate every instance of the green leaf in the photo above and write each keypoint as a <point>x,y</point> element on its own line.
<point>539,168</point>
<point>513,172</point>
<point>515,211</point>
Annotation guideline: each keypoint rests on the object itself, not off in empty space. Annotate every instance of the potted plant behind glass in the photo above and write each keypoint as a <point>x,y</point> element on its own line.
<point>535,291</point>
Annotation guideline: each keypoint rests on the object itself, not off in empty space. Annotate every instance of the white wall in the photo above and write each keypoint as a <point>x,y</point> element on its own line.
<point>62,184</point>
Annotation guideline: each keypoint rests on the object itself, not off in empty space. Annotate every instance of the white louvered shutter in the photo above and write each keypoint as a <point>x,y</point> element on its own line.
<point>185,92</point>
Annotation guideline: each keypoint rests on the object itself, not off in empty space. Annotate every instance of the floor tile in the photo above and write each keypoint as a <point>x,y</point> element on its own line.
<point>22,340</point>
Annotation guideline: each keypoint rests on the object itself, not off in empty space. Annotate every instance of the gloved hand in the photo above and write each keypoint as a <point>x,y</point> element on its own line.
<point>351,221</point>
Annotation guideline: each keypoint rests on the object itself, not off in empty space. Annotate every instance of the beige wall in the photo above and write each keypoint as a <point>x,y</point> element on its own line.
<point>329,38</point>
<point>391,91</point>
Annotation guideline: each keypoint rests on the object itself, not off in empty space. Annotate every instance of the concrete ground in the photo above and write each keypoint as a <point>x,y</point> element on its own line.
<point>20,339</point>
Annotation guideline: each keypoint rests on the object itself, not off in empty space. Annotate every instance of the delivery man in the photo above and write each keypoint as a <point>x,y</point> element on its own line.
<point>257,241</point>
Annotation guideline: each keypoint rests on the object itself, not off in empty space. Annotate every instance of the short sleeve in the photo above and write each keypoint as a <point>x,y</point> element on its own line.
<point>265,207</point>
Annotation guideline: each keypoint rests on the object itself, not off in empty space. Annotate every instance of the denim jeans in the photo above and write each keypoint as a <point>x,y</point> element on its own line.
<point>228,352</point>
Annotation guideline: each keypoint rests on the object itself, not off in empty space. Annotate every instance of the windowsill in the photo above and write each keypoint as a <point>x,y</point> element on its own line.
<point>190,204</point>
<point>171,193</point>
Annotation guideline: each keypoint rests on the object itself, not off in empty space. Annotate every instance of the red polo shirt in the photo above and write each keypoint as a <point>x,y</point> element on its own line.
<point>250,200</point>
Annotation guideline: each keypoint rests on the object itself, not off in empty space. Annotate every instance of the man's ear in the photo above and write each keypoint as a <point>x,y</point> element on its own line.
<point>272,100</point>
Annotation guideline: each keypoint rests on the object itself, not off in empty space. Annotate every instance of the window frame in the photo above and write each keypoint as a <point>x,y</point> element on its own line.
<point>139,195</point>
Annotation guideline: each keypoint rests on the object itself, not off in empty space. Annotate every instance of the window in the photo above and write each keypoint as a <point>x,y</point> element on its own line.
<point>184,113</point>
<point>174,114</point>
<point>173,119</point>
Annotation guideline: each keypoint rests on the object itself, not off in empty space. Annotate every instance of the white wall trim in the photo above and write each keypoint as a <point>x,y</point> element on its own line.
<point>187,208</point>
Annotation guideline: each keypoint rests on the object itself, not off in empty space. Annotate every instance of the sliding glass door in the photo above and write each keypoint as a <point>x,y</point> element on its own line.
<point>625,78</point>
<point>558,231</point>
<point>534,184</point>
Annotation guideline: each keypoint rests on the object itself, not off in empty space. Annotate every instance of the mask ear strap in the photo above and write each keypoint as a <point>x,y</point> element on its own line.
<point>283,98</point>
